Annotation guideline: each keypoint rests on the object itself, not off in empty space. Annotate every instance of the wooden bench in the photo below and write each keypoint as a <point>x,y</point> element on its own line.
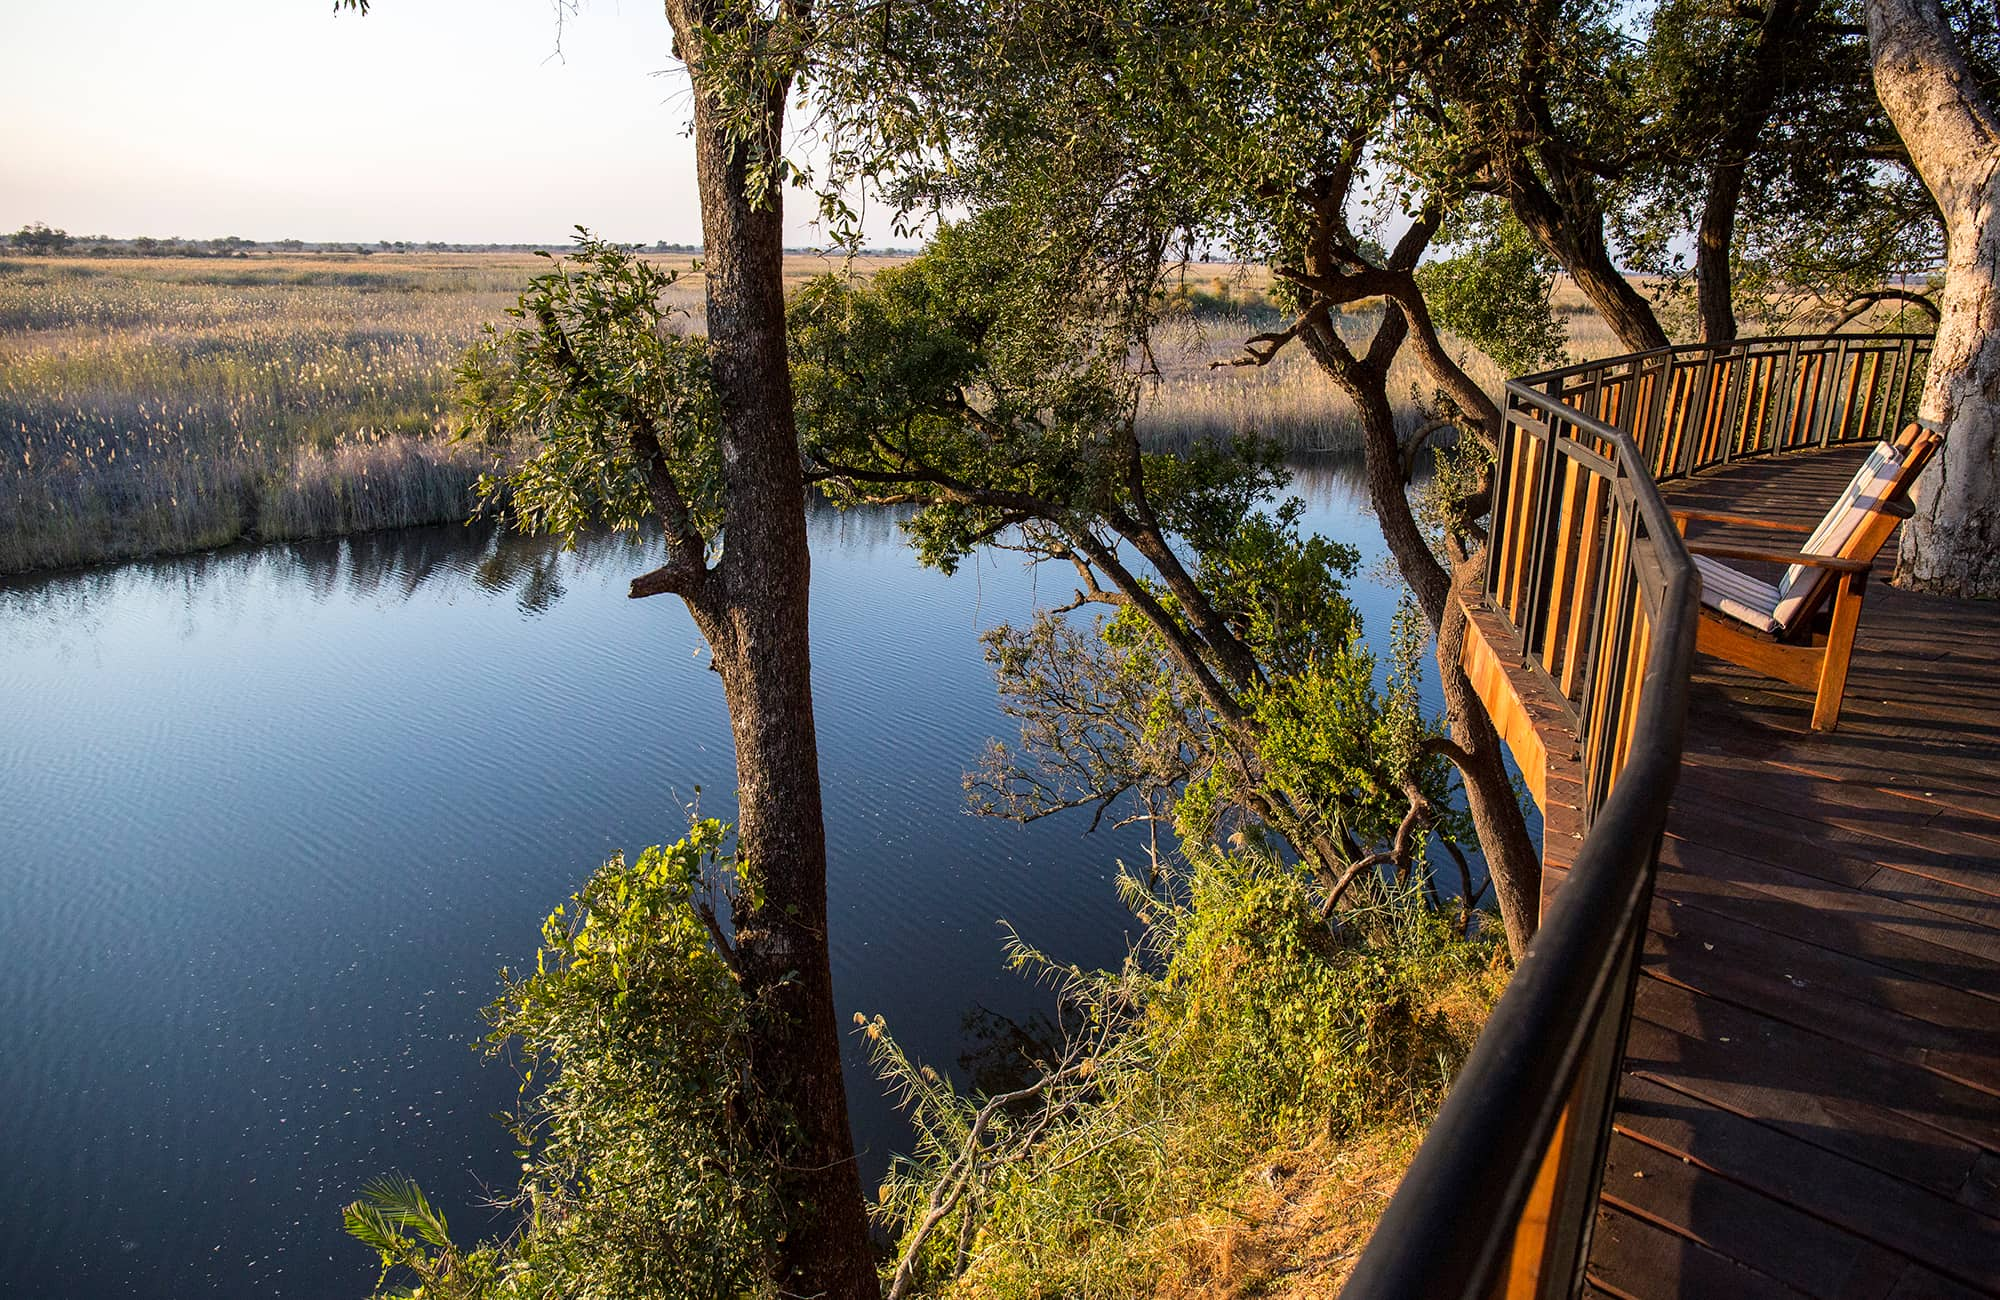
<point>1801,629</point>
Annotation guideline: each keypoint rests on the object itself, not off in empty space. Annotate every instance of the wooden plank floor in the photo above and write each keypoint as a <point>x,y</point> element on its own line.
<point>1810,1104</point>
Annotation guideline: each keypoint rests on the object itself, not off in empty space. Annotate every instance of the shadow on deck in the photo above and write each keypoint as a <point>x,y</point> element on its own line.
<point>1810,1096</point>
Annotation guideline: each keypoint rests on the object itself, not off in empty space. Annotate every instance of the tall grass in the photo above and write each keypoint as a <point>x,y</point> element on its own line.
<point>1194,399</point>
<point>1196,395</point>
<point>152,406</point>
<point>169,405</point>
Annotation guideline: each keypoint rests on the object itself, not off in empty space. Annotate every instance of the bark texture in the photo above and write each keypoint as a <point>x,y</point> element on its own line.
<point>1952,545</point>
<point>1713,237</point>
<point>752,606</point>
<point>1566,220</point>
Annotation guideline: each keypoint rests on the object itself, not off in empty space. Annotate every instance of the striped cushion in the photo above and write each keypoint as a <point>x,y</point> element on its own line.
<point>1866,492</point>
<point>1738,595</point>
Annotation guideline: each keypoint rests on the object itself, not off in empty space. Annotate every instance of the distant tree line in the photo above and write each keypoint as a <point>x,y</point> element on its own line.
<point>39,239</point>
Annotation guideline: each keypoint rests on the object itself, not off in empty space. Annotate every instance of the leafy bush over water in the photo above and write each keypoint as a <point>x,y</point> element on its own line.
<point>1241,1025</point>
<point>641,1176</point>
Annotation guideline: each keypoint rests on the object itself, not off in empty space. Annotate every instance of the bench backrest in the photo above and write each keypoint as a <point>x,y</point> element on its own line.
<point>1859,522</point>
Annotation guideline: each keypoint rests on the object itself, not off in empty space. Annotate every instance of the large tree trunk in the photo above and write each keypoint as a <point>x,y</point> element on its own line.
<point>1952,133</point>
<point>1571,230</point>
<point>758,609</point>
<point>1512,862</point>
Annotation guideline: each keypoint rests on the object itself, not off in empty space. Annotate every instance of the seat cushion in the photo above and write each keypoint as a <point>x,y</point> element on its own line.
<point>1742,597</point>
<point>1867,492</point>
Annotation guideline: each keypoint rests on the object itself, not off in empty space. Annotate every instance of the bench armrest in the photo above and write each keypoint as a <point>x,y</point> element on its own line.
<point>1716,517</point>
<point>1730,551</point>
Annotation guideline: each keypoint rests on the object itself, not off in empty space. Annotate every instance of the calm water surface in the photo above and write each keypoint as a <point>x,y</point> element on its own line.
<point>272,819</point>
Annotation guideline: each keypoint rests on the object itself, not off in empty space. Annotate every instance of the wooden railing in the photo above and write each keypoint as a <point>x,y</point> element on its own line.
<point>1696,407</point>
<point>1593,602</point>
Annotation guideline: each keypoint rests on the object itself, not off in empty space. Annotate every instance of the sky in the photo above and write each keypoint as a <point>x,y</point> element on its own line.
<point>465,121</point>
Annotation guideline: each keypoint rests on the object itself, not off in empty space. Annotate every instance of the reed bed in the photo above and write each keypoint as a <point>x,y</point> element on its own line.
<point>154,406</point>
<point>1215,308</point>
<point>172,405</point>
<point>1197,394</point>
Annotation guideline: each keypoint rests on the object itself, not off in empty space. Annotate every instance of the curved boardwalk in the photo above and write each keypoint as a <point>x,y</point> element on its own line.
<point>1810,1102</point>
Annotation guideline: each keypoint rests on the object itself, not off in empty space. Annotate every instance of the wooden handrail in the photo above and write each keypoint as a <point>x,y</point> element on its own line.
<point>1591,583</point>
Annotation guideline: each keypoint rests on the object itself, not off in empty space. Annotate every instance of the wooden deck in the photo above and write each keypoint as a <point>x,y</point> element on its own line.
<point>1810,1104</point>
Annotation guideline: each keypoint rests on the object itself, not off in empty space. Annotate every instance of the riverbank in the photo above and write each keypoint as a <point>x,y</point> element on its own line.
<point>158,406</point>
<point>1242,1132</point>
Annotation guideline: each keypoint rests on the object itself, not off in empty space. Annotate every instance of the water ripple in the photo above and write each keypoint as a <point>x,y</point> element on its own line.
<point>276,816</point>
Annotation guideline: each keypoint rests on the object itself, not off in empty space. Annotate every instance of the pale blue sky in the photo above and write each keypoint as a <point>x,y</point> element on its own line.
<point>453,120</point>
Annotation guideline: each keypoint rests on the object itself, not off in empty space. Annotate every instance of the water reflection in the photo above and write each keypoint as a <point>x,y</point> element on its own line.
<point>400,564</point>
<point>1003,1053</point>
<point>394,565</point>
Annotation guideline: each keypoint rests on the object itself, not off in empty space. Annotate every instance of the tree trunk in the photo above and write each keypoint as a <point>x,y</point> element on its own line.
<point>1512,862</point>
<point>1756,88</point>
<point>758,608</point>
<point>1573,234</point>
<point>1952,544</point>
<point>1713,237</point>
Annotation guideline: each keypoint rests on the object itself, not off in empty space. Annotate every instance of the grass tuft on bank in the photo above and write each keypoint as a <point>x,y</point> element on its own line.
<point>1240,1100</point>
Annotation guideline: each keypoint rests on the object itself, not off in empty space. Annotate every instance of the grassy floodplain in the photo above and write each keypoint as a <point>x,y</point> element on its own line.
<point>166,405</point>
<point>158,405</point>
<point>151,406</point>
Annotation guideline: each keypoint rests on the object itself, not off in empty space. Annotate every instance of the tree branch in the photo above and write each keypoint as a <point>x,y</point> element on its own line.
<point>1272,344</point>
<point>1397,854</point>
<point>723,948</point>
<point>687,550</point>
<point>1859,304</point>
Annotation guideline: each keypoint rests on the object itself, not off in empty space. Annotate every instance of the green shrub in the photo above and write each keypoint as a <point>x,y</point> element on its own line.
<point>642,1172</point>
<point>1243,1024</point>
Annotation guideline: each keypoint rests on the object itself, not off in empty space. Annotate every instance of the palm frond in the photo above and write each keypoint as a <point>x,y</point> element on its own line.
<point>368,1225</point>
<point>398,1200</point>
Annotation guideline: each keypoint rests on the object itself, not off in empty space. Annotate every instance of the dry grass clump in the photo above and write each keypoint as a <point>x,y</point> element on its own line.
<point>1299,1216</point>
<point>1296,1225</point>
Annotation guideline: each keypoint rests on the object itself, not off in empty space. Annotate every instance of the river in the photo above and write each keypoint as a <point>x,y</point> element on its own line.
<point>274,817</point>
